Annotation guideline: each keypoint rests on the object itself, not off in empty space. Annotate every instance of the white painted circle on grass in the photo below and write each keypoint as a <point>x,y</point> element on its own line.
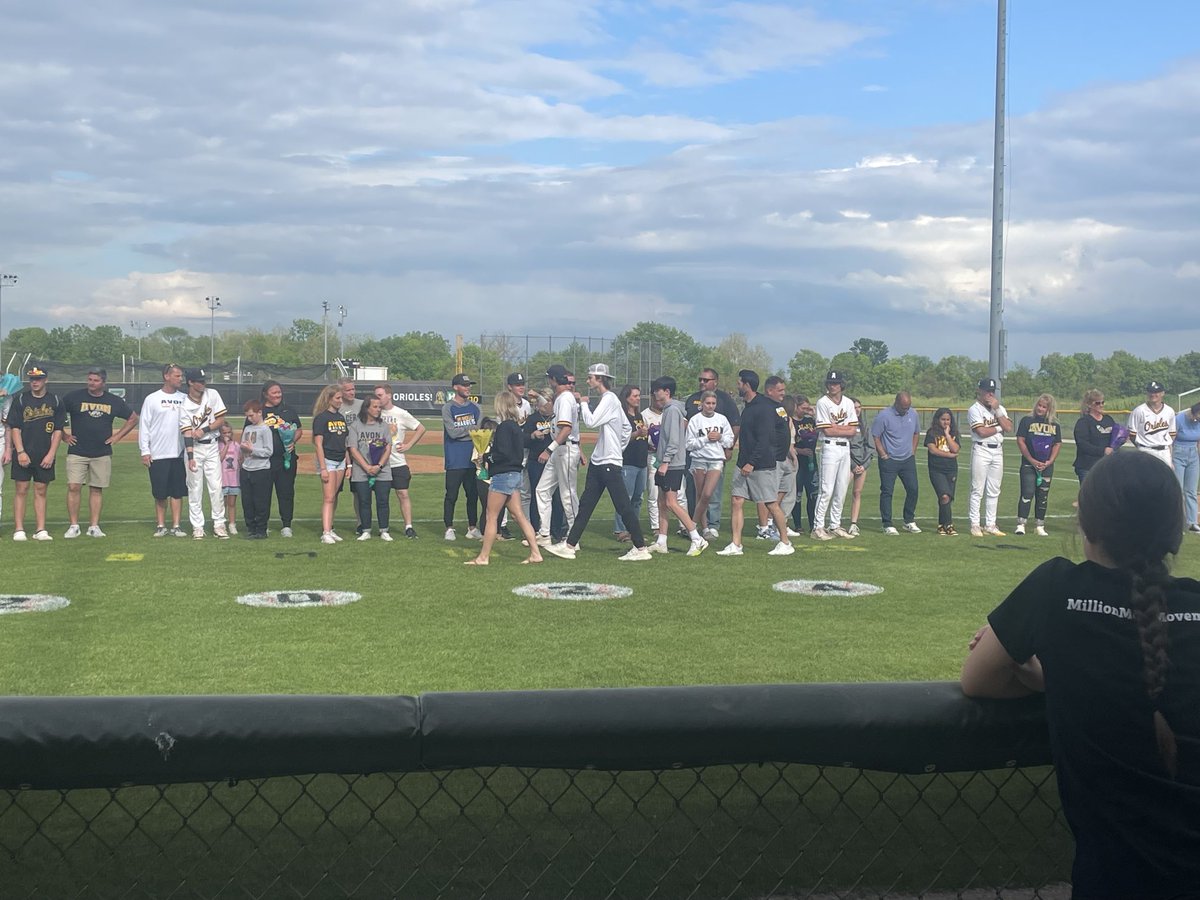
<point>572,590</point>
<point>828,588</point>
<point>299,599</point>
<point>23,603</point>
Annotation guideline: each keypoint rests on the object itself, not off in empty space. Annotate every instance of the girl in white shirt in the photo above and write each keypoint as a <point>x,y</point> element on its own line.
<point>709,438</point>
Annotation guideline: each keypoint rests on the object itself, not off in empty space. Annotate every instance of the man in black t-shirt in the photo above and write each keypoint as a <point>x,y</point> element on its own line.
<point>35,421</point>
<point>726,406</point>
<point>89,446</point>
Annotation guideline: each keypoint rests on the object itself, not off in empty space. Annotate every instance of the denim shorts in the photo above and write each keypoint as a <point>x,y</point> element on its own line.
<point>707,465</point>
<point>335,465</point>
<point>229,491</point>
<point>506,483</point>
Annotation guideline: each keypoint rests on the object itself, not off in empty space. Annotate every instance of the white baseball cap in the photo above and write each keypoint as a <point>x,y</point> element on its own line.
<point>599,369</point>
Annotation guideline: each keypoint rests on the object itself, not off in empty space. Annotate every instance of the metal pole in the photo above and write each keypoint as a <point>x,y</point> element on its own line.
<point>342,313</point>
<point>139,327</point>
<point>325,327</point>
<point>5,281</point>
<point>213,303</point>
<point>996,324</point>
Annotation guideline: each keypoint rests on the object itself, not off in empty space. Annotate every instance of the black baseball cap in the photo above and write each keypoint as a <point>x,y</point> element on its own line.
<point>988,385</point>
<point>461,378</point>
<point>36,371</point>
<point>195,375</point>
<point>557,373</point>
<point>834,377</point>
<point>516,378</point>
<point>1155,387</point>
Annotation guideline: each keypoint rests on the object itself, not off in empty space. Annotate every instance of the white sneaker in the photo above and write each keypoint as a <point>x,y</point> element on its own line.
<point>385,535</point>
<point>976,531</point>
<point>912,528</point>
<point>731,550</point>
<point>656,547</point>
<point>19,536</point>
<point>637,554</point>
<point>711,534</point>
<point>42,535</point>
<point>233,528</point>
<point>993,531</point>
<point>337,538</point>
<point>697,547</point>
<point>842,533</point>
<point>781,549</point>
<point>219,531</point>
<point>891,529</point>
<point>562,550</point>
<point>197,534</point>
<point>791,533</point>
<point>474,534</point>
<point>327,538</point>
<point>820,534</point>
<point>285,531</point>
<point>94,531</point>
<point>543,540</point>
<point>1020,529</point>
<point>450,535</point>
<point>72,532</point>
<point>365,536</point>
<point>1041,531</point>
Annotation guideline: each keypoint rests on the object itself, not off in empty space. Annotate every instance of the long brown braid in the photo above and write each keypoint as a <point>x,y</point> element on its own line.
<point>1131,506</point>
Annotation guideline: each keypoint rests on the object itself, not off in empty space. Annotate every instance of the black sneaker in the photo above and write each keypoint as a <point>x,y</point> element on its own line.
<point>410,533</point>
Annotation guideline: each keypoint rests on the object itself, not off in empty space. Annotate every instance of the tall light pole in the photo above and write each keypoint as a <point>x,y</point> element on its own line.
<point>341,331</point>
<point>5,281</point>
<point>139,326</point>
<point>325,327</point>
<point>213,303</point>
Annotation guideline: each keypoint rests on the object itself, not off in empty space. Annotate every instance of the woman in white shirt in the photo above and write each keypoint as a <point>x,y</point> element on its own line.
<point>709,439</point>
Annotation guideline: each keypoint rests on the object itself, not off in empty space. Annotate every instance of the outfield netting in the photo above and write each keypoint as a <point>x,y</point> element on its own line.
<point>781,829</point>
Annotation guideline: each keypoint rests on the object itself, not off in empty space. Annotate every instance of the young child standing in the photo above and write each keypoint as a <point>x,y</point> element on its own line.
<point>231,475</point>
<point>258,443</point>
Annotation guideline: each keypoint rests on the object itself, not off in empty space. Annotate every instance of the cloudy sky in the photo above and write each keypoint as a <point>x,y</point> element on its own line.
<point>803,173</point>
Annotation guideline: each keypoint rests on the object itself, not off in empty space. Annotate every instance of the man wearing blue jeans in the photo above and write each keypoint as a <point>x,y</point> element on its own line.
<point>896,431</point>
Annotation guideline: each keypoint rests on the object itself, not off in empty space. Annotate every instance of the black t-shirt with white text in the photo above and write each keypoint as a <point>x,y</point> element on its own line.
<point>92,421</point>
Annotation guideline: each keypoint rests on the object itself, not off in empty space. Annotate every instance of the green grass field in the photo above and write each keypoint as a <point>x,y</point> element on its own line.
<point>159,615</point>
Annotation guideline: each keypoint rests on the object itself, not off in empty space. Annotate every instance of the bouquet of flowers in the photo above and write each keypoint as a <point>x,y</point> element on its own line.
<point>287,434</point>
<point>482,440</point>
<point>1120,434</point>
<point>377,449</point>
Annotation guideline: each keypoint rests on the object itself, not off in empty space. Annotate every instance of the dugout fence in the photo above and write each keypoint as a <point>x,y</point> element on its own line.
<point>781,791</point>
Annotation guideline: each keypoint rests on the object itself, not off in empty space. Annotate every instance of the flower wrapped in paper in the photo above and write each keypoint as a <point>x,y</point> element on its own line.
<point>481,438</point>
<point>377,449</point>
<point>287,434</point>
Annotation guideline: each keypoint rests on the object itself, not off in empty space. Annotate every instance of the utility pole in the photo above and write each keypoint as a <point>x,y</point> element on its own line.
<point>325,327</point>
<point>996,335</point>
<point>139,327</point>
<point>342,313</point>
<point>213,304</point>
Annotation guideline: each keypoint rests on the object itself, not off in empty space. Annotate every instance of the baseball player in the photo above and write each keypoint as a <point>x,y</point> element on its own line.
<point>200,419</point>
<point>562,457</point>
<point>988,420</point>
<point>1152,425</point>
<point>836,424</point>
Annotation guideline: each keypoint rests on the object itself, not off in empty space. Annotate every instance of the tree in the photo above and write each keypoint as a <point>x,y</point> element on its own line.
<point>734,353</point>
<point>806,373</point>
<point>413,356</point>
<point>661,349</point>
<point>32,341</point>
<point>1019,381</point>
<point>856,369</point>
<point>876,351</point>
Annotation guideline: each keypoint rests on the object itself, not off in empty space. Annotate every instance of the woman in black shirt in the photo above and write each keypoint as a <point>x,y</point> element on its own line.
<point>1093,433</point>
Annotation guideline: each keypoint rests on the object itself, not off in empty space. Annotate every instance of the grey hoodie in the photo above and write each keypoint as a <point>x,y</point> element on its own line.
<point>671,436</point>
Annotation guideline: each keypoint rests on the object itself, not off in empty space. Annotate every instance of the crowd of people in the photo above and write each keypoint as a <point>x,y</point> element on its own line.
<point>797,462</point>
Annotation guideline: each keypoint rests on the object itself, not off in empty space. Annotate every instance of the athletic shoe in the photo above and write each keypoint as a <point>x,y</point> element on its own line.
<point>543,540</point>
<point>285,531</point>
<point>656,547</point>
<point>697,547</point>
<point>1194,528</point>
<point>327,538</point>
<point>950,532</point>
<point>993,531</point>
<point>562,550</point>
<point>197,534</point>
<point>42,535</point>
<point>219,531</point>
<point>912,528</point>
<point>1041,531</point>
<point>1020,529</point>
<point>891,529</point>
<point>94,531</point>
<point>763,533</point>
<point>941,531</point>
<point>790,533</point>
<point>474,534</point>
<point>683,533</point>
<point>178,532</point>
<point>622,537</point>
<point>842,533</point>
<point>410,533</point>
<point>450,535</point>
<point>162,531</point>
<point>385,535</point>
<point>502,534</point>
<point>233,528</point>
<point>19,536</point>
<point>636,554</point>
<point>781,549</point>
<point>772,532</point>
<point>336,537</point>
<point>364,536</point>
<point>711,534</point>
<point>72,532</point>
<point>976,531</point>
<point>731,550</point>
<point>820,534</point>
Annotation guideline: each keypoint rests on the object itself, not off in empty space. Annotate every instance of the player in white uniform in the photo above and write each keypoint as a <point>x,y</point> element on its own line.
<point>562,471</point>
<point>200,419</point>
<point>836,424</point>
<point>988,420</point>
<point>406,432</point>
<point>1152,425</point>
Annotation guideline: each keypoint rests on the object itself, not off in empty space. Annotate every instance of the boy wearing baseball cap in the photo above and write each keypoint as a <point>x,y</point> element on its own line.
<point>35,425</point>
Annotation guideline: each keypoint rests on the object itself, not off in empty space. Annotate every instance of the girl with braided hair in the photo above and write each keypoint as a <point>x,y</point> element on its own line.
<point>1115,644</point>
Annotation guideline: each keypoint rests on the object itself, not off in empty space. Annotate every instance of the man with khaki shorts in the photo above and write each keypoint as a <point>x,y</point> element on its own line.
<point>91,411</point>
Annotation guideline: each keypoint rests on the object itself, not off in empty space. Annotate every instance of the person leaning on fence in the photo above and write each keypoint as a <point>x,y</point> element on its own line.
<point>1187,463</point>
<point>1093,433</point>
<point>895,432</point>
<point>942,445</point>
<point>1039,438</point>
<point>1114,642</point>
